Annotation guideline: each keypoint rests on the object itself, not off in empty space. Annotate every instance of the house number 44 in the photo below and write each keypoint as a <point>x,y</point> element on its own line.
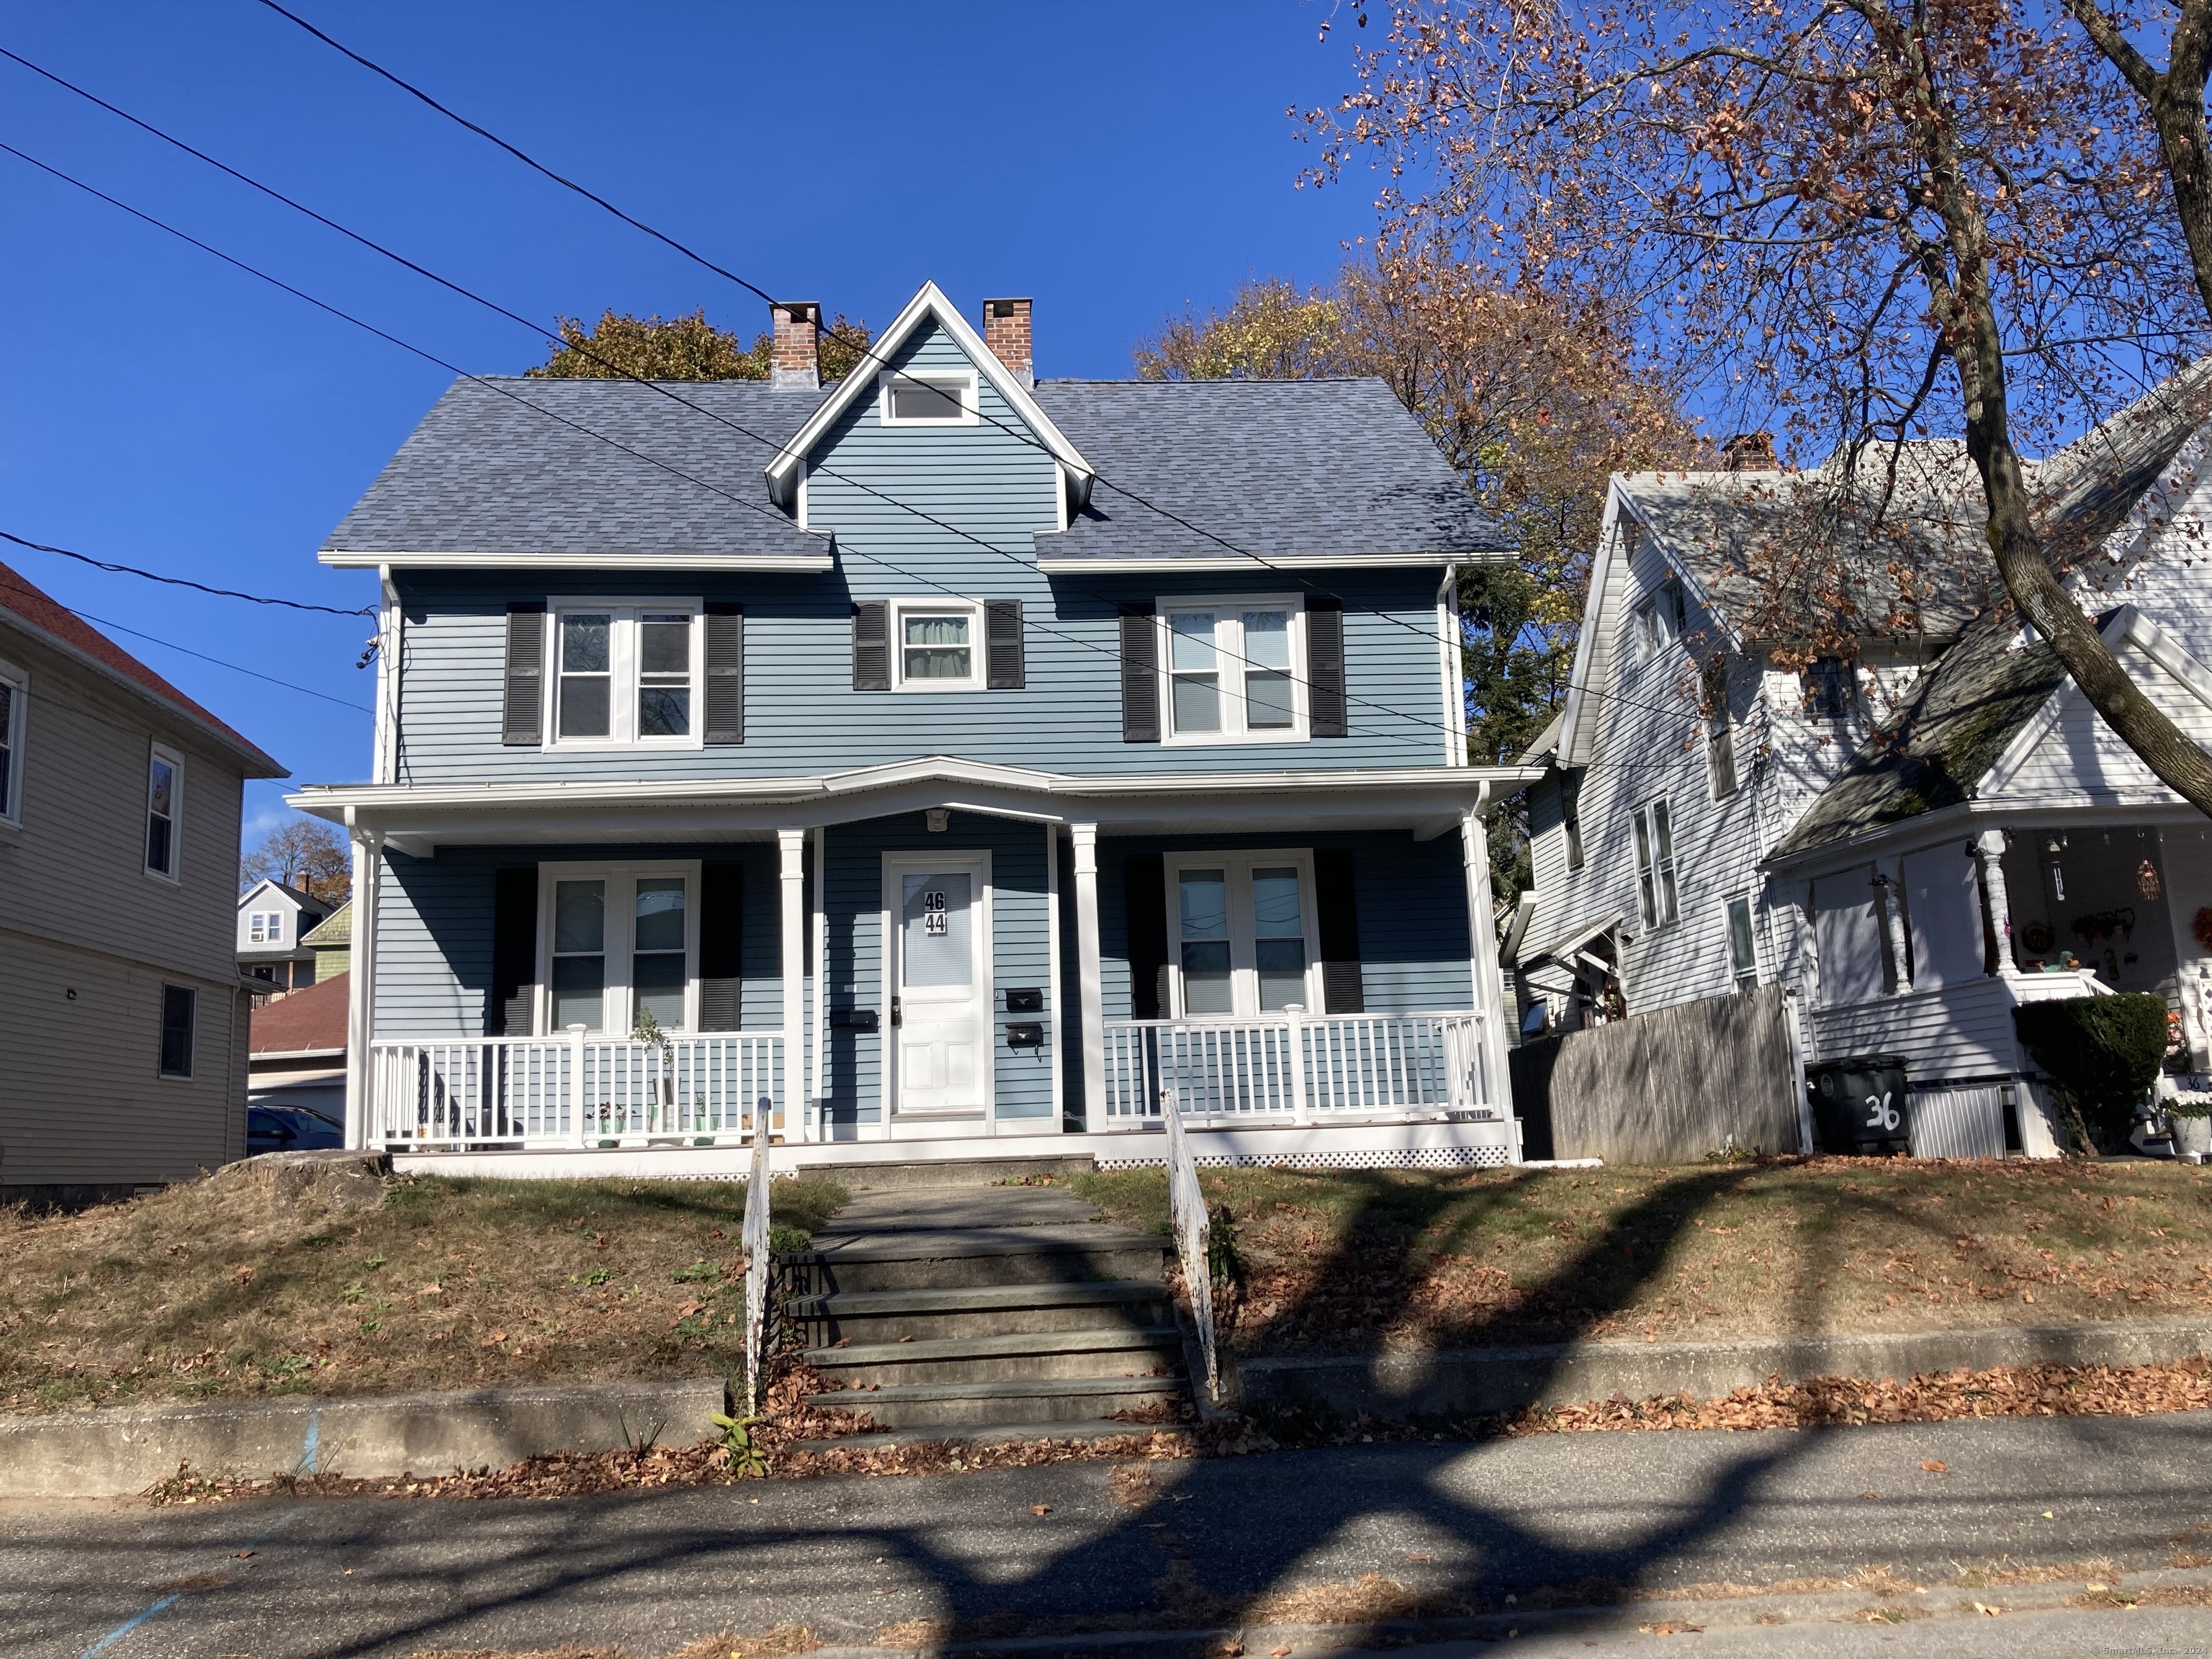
<point>933,915</point>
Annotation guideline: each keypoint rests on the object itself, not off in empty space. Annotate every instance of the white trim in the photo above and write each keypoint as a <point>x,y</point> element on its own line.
<point>804,563</point>
<point>2126,626</point>
<point>625,617</point>
<point>817,1101</point>
<point>961,382</point>
<point>1231,667</point>
<point>1054,1023</point>
<point>1451,666</point>
<point>945,605</point>
<point>1728,901</point>
<point>1083,837</point>
<point>1160,565</point>
<point>1237,868</point>
<point>18,681</point>
<point>981,956</point>
<point>619,897</point>
<point>383,744</point>
<point>174,875</point>
<point>360,990</point>
<point>930,302</point>
<point>791,951</point>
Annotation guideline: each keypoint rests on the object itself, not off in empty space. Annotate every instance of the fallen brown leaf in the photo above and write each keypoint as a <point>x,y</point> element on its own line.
<point>1040,1509</point>
<point>1934,1465</point>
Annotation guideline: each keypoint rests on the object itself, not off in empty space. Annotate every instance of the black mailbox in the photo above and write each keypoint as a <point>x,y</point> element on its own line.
<point>1025,1002</point>
<point>852,1019</point>
<point>1025,1036</point>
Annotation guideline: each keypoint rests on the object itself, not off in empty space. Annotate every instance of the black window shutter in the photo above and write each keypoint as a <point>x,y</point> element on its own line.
<point>1325,667</point>
<point>1144,892</point>
<point>1002,633</point>
<point>721,939</point>
<point>513,1006</point>
<point>871,646</point>
<point>525,671</point>
<point>1336,914</point>
<point>1140,677</point>
<point>725,673</point>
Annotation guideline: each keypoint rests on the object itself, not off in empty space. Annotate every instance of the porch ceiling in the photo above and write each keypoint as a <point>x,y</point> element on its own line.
<point>419,819</point>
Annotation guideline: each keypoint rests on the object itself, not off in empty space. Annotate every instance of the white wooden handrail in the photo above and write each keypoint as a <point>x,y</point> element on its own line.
<point>1194,1237</point>
<point>755,1235</point>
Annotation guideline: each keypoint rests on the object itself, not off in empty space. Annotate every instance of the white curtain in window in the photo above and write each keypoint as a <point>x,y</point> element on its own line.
<point>1945,906</point>
<point>1847,932</point>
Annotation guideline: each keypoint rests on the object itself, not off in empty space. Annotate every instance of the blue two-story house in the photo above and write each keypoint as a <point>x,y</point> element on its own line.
<point>954,761</point>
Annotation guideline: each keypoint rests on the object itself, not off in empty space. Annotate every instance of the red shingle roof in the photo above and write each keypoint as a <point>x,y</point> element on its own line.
<point>19,598</point>
<point>305,1021</point>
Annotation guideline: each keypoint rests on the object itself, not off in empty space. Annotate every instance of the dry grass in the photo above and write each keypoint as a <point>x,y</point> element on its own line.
<point>206,1291</point>
<point>1347,1259</point>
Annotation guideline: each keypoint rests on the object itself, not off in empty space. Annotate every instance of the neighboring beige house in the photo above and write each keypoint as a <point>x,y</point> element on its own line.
<point>122,1014</point>
<point>274,921</point>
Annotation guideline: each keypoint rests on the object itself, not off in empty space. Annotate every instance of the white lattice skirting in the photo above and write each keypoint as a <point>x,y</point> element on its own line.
<point>1377,1157</point>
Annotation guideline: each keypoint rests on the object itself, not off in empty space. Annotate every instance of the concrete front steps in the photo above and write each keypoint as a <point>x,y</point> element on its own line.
<point>997,1313</point>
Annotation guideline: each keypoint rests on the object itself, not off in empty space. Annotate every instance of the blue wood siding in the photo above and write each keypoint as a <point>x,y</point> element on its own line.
<point>1410,897</point>
<point>802,715</point>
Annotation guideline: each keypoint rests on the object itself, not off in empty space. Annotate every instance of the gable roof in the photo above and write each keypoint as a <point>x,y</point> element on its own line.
<point>333,931</point>
<point>300,900</point>
<point>309,1022</point>
<point>511,471</point>
<point>63,630</point>
<point>1333,472</point>
<point>929,305</point>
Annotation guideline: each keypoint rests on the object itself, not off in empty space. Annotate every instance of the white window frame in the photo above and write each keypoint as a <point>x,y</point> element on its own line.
<point>1742,976</point>
<point>174,874</point>
<point>1244,965</point>
<point>18,682</point>
<point>1233,668</point>
<point>256,926</point>
<point>962,382</point>
<point>946,605</point>
<point>617,945</point>
<point>1663,617</point>
<point>1721,728</point>
<point>622,666</point>
<point>1658,865</point>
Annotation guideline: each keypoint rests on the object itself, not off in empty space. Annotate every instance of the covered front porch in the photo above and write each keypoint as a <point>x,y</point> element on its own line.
<point>931,961</point>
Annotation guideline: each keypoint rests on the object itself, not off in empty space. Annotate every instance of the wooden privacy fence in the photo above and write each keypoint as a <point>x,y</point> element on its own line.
<point>1671,1086</point>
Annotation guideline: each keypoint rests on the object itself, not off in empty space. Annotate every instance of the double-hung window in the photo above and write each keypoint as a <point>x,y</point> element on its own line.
<point>13,713</point>
<point>621,942</point>
<point>626,675</point>
<point>1743,955</point>
<point>258,927</point>
<point>1662,619</point>
<point>1654,864</point>
<point>937,645</point>
<point>1720,731</point>
<point>1242,932</point>
<point>179,1005</point>
<point>165,808</point>
<point>1233,671</point>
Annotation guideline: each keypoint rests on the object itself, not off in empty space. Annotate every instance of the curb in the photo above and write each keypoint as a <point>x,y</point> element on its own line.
<point>114,1453</point>
<point>1487,1380</point>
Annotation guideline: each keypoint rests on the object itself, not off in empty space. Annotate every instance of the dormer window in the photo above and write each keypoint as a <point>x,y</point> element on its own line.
<point>931,396</point>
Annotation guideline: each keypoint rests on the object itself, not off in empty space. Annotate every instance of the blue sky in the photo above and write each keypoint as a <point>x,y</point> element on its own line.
<point>163,410</point>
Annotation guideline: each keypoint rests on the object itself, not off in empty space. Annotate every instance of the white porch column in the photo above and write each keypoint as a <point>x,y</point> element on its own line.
<point>1989,849</point>
<point>791,934</point>
<point>361,989</point>
<point>1482,952</point>
<point>817,1084</point>
<point>1085,839</point>
<point>1892,929</point>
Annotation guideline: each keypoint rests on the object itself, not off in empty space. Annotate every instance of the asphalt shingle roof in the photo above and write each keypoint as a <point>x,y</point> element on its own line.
<point>1278,468</point>
<point>1313,467</point>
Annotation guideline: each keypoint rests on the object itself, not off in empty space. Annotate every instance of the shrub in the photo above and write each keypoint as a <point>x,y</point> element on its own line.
<point>2102,1054</point>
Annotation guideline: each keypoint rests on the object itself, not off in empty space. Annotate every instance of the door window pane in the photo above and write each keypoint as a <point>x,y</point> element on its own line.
<point>579,963</point>
<point>1279,943</point>
<point>663,685</point>
<point>656,961</point>
<point>936,916</point>
<point>1268,675</point>
<point>586,677</point>
<point>1195,670</point>
<point>1203,898</point>
<point>936,647</point>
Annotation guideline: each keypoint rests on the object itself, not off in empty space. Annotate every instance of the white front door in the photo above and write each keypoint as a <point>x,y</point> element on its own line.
<point>940,983</point>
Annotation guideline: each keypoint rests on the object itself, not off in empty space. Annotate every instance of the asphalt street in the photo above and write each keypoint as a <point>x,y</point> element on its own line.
<point>849,1557</point>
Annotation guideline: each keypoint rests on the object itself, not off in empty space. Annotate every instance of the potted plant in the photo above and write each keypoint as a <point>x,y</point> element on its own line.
<point>2189,1111</point>
<point>647,1031</point>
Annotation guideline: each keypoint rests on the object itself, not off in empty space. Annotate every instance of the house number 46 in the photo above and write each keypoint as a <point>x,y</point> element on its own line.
<point>933,914</point>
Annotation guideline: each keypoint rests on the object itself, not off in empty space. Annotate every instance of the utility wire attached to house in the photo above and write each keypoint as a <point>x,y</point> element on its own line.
<point>181,582</point>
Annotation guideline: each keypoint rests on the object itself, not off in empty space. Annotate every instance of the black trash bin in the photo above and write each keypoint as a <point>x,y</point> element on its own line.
<point>1859,1108</point>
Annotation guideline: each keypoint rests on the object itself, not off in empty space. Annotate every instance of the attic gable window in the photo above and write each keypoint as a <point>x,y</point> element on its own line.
<point>1831,690</point>
<point>926,397</point>
<point>1662,619</point>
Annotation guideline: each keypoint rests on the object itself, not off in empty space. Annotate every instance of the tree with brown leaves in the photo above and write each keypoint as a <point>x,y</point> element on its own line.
<point>1875,220</point>
<point>686,348</point>
<point>306,855</point>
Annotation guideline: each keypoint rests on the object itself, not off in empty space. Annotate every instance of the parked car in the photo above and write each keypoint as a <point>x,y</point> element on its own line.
<point>290,1129</point>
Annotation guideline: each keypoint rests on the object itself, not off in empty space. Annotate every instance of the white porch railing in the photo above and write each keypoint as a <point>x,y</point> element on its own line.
<point>572,1090</point>
<point>1300,1068</point>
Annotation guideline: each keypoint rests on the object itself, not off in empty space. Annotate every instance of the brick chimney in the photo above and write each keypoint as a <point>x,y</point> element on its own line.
<point>793,362</point>
<point>1750,452</point>
<point>1007,332</point>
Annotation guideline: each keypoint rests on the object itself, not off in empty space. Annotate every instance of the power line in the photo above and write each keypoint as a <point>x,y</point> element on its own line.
<point>865,348</point>
<point>180,581</point>
<point>236,668</point>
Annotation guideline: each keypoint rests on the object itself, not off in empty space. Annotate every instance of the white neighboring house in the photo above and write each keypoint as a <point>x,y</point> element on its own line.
<point>273,920</point>
<point>1916,842</point>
